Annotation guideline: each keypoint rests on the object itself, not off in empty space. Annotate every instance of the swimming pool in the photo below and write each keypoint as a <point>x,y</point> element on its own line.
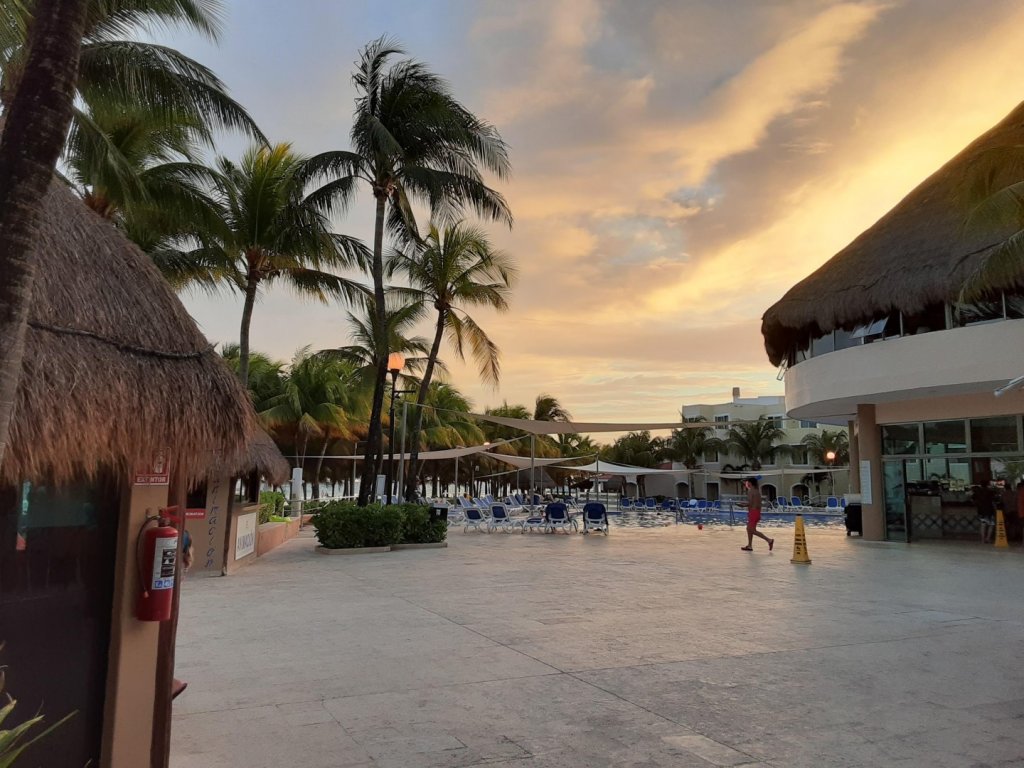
<point>738,517</point>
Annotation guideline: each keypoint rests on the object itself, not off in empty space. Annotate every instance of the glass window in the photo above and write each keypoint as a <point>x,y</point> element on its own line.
<point>823,345</point>
<point>994,435</point>
<point>931,318</point>
<point>898,439</point>
<point>945,437</point>
<point>845,339</point>
<point>808,424</point>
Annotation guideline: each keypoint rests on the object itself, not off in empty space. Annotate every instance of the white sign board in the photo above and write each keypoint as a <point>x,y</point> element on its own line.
<point>245,536</point>
<point>865,482</point>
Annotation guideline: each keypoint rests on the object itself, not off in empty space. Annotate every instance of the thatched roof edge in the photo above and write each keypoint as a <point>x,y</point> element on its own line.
<point>917,254</point>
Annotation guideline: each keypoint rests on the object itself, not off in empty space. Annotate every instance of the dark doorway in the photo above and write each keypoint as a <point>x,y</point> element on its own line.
<point>57,553</point>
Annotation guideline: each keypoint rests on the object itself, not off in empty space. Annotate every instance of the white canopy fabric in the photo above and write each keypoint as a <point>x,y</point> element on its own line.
<point>523,462</point>
<point>447,453</point>
<point>574,427</point>
<point>611,468</point>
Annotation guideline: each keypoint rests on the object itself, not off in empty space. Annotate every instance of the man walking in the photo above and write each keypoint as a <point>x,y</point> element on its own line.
<point>754,515</point>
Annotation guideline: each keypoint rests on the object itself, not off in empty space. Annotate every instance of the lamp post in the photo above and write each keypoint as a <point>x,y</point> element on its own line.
<point>457,471</point>
<point>396,361</point>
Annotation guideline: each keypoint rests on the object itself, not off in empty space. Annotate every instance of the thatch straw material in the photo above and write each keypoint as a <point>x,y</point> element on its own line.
<point>919,253</point>
<point>261,455</point>
<point>115,369</point>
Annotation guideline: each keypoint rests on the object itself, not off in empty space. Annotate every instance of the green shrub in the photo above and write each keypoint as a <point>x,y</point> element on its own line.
<point>271,503</point>
<point>418,527</point>
<point>280,519</point>
<point>343,525</point>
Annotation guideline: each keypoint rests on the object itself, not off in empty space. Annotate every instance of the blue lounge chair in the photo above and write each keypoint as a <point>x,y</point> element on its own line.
<point>595,517</point>
<point>557,516</point>
<point>832,503</point>
<point>500,519</point>
<point>476,520</point>
<point>796,503</point>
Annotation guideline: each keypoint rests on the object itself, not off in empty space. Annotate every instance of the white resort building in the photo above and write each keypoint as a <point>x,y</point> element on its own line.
<point>793,473</point>
<point>879,338</point>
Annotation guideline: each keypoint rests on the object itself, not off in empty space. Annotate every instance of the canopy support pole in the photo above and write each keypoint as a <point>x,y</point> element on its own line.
<point>533,460</point>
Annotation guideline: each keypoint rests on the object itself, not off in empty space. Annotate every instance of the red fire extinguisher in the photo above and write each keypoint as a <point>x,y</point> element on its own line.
<point>157,550</point>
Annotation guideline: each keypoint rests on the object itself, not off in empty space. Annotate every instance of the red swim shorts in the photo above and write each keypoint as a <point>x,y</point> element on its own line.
<point>753,518</point>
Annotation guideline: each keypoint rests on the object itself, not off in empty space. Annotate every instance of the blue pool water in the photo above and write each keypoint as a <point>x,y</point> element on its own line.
<point>630,519</point>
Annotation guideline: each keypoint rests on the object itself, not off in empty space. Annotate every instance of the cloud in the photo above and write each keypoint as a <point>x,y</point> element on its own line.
<point>677,165</point>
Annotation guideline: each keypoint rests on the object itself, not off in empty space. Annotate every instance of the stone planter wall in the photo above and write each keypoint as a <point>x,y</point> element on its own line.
<point>272,535</point>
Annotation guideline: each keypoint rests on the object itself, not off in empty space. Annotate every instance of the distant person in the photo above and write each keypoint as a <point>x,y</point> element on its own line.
<point>754,515</point>
<point>1008,498</point>
<point>984,503</point>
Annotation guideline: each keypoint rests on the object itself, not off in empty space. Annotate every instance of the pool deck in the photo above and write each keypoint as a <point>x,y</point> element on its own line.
<point>651,647</point>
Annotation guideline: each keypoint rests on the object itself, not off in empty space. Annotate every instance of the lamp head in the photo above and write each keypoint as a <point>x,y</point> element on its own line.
<point>396,361</point>
<point>830,456</point>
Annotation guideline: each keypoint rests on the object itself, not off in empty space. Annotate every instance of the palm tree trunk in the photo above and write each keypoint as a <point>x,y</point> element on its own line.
<point>421,397</point>
<point>374,454</point>
<point>319,467</point>
<point>36,126</point>
<point>243,334</point>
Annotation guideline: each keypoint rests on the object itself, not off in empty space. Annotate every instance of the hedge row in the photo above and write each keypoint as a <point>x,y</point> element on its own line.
<point>344,525</point>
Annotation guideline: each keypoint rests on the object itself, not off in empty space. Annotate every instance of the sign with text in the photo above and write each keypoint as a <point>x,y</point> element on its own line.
<point>245,536</point>
<point>157,472</point>
<point>195,514</point>
<point>865,482</point>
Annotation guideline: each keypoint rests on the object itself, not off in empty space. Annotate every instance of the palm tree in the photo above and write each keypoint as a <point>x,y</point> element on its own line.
<point>131,169</point>
<point>451,271</point>
<point>446,424</point>
<point>319,400</point>
<point>638,449</point>
<point>690,444</point>
<point>412,141</point>
<point>117,72</point>
<point>548,408</point>
<point>266,376</point>
<point>820,445</point>
<point>369,341</point>
<point>265,227</point>
<point>755,441</point>
<point>36,122</point>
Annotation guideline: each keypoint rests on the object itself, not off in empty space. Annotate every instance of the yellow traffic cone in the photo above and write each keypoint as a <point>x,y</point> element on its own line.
<point>1001,542</point>
<point>800,554</point>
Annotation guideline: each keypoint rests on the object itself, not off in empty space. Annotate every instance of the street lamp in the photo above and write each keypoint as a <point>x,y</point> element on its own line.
<point>396,361</point>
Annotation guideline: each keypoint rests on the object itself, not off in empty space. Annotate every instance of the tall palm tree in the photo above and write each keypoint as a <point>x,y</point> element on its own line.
<point>36,122</point>
<point>412,141</point>
<point>450,271</point>
<point>265,227</point>
<point>756,441</point>
<point>120,72</point>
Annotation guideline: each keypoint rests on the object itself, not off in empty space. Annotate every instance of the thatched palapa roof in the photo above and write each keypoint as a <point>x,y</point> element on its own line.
<point>115,369</point>
<point>919,253</point>
<point>263,456</point>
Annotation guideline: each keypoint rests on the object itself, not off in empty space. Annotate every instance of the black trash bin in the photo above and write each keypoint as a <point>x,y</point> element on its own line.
<point>438,513</point>
<point>854,519</point>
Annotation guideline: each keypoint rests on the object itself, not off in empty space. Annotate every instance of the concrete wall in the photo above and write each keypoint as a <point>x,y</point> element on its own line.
<point>272,535</point>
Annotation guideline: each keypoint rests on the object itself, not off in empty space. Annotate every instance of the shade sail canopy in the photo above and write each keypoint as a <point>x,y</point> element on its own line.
<point>611,468</point>
<point>447,453</point>
<point>575,427</point>
<point>523,462</point>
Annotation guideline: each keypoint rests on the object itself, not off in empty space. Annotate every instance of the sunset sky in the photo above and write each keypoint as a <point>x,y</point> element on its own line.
<point>678,165</point>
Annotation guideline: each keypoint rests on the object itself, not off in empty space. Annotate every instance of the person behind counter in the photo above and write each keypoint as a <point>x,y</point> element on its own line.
<point>984,503</point>
<point>1009,498</point>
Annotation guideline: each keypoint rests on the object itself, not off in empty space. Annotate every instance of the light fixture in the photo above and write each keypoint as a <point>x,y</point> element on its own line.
<point>1008,386</point>
<point>396,361</point>
<point>830,456</point>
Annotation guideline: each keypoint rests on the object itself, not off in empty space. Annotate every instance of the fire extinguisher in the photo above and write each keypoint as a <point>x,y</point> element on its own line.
<point>157,555</point>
